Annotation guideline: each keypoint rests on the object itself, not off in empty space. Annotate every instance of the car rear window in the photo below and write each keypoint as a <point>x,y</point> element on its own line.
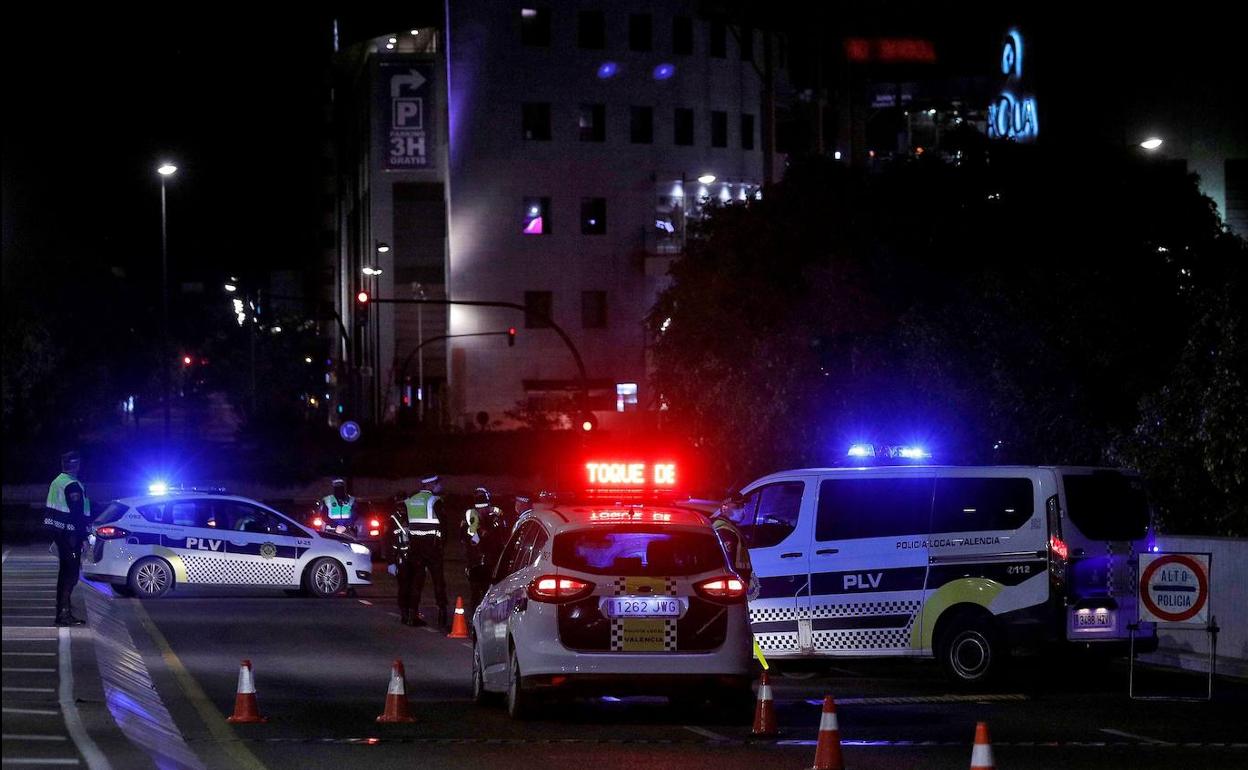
<point>1107,505</point>
<point>638,551</point>
<point>113,512</point>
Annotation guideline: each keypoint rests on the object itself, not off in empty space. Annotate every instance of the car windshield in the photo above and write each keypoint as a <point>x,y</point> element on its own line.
<point>1107,505</point>
<point>638,551</point>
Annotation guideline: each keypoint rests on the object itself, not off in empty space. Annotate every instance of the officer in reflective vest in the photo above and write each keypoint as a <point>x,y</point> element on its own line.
<point>67,515</point>
<point>735,546</point>
<point>425,517</point>
<point>338,507</point>
<point>480,531</point>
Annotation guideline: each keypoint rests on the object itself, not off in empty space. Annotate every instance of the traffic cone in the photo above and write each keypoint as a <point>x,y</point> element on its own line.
<point>828,747</point>
<point>981,754</point>
<point>459,626</point>
<point>764,710</point>
<point>397,709</point>
<point>245,708</point>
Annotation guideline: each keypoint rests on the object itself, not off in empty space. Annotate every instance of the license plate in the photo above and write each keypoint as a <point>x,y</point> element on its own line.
<point>641,607</point>
<point>1093,620</point>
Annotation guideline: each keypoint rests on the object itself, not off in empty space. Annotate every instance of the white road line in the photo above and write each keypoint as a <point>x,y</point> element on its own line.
<point>25,737</point>
<point>40,654</point>
<point>706,733</point>
<point>29,670</point>
<point>49,761</point>
<point>1134,737</point>
<point>28,689</point>
<point>16,615</point>
<point>366,601</point>
<point>69,710</point>
<point>430,630</point>
<point>34,712</point>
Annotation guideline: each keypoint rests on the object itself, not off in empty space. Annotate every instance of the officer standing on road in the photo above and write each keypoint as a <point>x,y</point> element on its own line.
<point>425,517</point>
<point>522,505</point>
<point>67,515</point>
<point>338,507</point>
<point>398,554</point>
<point>479,532</point>
<point>724,522</point>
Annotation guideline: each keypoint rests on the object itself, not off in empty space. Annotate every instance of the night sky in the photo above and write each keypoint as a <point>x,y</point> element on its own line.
<point>94,100</point>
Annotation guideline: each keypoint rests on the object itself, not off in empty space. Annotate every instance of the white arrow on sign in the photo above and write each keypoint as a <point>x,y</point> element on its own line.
<point>412,79</point>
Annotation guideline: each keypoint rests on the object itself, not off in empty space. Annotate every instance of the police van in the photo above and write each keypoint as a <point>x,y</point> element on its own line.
<point>960,563</point>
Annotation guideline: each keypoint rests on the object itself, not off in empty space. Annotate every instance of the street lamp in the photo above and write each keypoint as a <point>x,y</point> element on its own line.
<point>382,248</point>
<point>1152,143</point>
<point>706,178</point>
<point>165,170</point>
<point>371,270</point>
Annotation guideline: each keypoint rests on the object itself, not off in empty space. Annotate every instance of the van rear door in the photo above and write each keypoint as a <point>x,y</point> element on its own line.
<point>777,524</point>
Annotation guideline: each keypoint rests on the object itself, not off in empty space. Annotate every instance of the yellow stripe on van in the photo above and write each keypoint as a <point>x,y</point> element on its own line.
<point>981,591</point>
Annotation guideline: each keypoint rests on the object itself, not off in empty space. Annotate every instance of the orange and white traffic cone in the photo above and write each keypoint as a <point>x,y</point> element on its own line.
<point>764,710</point>
<point>828,747</point>
<point>981,754</point>
<point>459,626</point>
<point>397,708</point>
<point>245,707</point>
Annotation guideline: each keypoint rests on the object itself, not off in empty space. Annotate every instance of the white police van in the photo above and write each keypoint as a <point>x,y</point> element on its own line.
<point>147,545</point>
<point>963,563</point>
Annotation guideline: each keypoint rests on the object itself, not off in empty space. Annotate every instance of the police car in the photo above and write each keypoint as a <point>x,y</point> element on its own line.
<point>961,563</point>
<point>600,595</point>
<point>148,545</point>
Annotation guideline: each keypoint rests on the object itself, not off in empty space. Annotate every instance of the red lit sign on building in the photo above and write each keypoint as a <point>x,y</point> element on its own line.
<point>625,474</point>
<point>890,50</point>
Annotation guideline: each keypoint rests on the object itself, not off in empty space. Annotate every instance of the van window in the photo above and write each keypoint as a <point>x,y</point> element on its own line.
<point>771,513</point>
<point>857,508</point>
<point>1107,505</point>
<point>970,504</point>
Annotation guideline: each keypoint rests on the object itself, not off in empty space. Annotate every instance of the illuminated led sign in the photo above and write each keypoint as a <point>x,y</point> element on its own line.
<point>626,474</point>
<point>1013,116</point>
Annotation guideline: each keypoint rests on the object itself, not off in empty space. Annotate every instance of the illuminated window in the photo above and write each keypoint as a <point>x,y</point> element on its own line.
<point>536,216</point>
<point>538,307</point>
<point>593,216</point>
<point>719,129</point>
<point>747,131</point>
<point>625,396</point>
<point>639,32</point>
<point>592,122</point>
<point>641,125</point>
<point>591,30</point>
<point>682,35</point>
<point>719,38</point>
<point>535,117</point>
<point>684,126</point>
<point>535,26</point>
<point>593,310</point>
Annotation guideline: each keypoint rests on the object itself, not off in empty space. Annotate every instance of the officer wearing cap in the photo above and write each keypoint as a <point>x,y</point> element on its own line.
<point>425,512</point>
<point>338,507</point>
<point>481,531</point>
<point>67,515</point>
<point>724,522</point>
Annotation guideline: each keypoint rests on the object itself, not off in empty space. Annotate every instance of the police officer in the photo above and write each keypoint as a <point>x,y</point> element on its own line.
<point>736,548</point>
<point>67,515</point>
<point>398,555</point>
<point>479,532</point>
<point>425,516</point>
<point>338,508</point>
<point>522,505</point>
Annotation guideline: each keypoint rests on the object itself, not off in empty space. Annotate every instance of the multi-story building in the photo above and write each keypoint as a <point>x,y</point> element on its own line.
<point>546,154</point>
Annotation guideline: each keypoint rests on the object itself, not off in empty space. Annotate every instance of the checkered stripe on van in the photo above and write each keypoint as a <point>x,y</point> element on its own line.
<point>781,642</point>
<point>860,609</point>
<point>771,614</point>
<point>871,639</point>
<point>212,569</point>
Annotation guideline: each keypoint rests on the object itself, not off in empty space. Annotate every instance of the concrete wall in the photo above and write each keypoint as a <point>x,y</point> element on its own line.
<point>1228,603</point>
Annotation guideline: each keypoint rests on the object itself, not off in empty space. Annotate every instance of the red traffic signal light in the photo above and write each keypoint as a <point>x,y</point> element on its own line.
<point>187,360</point>
<point>511,337</point>
<point>362,298</point>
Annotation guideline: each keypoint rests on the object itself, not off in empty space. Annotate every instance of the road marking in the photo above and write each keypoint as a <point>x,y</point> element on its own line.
<point>901,700</point>
<point>429,629</point>
<point>214,721</point>
<point>706,733</point>
<point>32,737</point>
<point>15,615</point>
<point>28,689</point>
<point>49,761</point>
<point>1133,736</point>
<point>366,602</point>
<point>41,654</point>
<point>33,712</point>
<point>30,670</point>
<point>69,709</point>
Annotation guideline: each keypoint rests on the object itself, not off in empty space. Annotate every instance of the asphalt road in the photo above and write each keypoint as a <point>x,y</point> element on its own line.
<point>322,668</point>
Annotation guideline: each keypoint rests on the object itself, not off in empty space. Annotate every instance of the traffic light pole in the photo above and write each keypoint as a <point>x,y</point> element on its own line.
<point>567,341</point>
<point>407,361</point>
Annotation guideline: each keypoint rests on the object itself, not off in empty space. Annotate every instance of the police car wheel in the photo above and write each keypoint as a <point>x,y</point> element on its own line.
<point>325,577</point>
<point>521,703</point>
<point>480,695</point>
<point>969,651</point>
<point>151,578</point>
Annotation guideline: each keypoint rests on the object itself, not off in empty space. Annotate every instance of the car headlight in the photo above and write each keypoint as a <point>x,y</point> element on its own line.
<point>357,548</point>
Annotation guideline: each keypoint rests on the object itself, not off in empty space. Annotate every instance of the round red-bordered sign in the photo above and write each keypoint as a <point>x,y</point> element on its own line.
<point>1202,591</point>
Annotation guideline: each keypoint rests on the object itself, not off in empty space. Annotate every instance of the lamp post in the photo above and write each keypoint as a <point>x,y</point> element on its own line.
<point>165,170</point>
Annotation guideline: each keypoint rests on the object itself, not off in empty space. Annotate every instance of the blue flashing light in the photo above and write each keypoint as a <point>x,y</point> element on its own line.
<point>607,70</point>
<point>158,487</point>
<point>861,450</point>
<point>914,453</point>
<point>664,71</point>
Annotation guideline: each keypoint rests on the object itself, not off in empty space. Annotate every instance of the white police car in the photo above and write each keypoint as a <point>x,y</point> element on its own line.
<point>148,545</point>
<point>602,597</point>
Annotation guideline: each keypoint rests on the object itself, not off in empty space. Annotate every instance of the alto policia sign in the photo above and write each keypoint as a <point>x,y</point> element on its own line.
<point>1174,588</point>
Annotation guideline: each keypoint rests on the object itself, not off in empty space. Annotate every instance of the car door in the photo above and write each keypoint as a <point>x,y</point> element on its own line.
<point>193,536</point>
<point>260,546</point>
<point>496,606</point>
<point>778,529</point>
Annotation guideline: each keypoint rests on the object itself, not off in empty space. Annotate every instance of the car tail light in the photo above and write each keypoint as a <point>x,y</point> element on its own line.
<point>318,522</point>
<point>1059,552</point>
<point>726,590</point>
<point>552,588</point>
<point>374,527</point>
<point>110,532</point>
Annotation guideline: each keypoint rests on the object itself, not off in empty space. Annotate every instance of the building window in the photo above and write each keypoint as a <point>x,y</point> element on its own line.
<point>641,125</point>
<point>593,310</point>
<point>747,132</point>
<point>535,26</point>
<point>625,396</point>
<point>682,35</point>
<point>536,119</point>
<point>684,126</point>
<point>719,129</point>
<point>536,216</point>
<point>591,30</point>
<point>592,122</point>
<point>747,43</point>
<point>538,307</point>
<point>719,44</point>
<point>593,216</point>
<point>639,32</point>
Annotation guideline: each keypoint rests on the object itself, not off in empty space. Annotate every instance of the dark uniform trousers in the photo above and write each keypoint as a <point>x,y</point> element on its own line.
<point>68,553</point>
<point>425,554</point>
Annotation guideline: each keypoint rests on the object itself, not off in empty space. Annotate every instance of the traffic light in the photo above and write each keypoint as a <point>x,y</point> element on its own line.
<point>361,309</point>
<point>511,337</point>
